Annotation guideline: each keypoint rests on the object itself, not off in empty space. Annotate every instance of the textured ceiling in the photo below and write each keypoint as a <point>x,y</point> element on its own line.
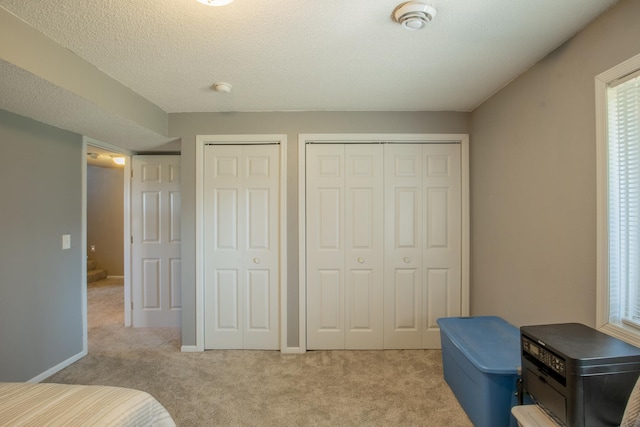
<point>29,96</point>
<point>291,55</point>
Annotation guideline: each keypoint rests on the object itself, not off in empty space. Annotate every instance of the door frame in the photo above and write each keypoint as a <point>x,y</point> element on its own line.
<point>365,138</point>
<point>201,141</point>
<point>88,141</point>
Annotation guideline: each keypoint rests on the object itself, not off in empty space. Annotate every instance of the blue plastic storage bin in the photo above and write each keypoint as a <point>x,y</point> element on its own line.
<point>481,362</point>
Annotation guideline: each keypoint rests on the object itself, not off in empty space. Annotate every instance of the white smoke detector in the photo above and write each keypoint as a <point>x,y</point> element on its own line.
<point>413,15</point>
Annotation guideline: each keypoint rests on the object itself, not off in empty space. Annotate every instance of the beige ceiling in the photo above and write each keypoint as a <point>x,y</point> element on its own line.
<point>301,55</point>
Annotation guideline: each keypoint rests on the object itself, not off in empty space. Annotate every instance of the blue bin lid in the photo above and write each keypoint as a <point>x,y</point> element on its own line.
<point>489,342</point>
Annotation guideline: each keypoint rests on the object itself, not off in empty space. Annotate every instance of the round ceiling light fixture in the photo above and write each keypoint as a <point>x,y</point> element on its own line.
<point>223,87</point>
<point>215,2</point>
<point>413,15</point>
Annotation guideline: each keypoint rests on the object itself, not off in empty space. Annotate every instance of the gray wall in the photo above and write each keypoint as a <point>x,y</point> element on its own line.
<point>40,284</point>
<point>105,217</point>
<point>533,186</point>
<point>188,125</point>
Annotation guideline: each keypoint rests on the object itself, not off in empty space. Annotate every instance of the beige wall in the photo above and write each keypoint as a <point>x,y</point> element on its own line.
<point>188,125</point>
<point>105,218</point>
<point>533,187</point>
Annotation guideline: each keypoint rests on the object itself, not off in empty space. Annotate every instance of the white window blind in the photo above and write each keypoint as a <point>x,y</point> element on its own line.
<point>623,125</point>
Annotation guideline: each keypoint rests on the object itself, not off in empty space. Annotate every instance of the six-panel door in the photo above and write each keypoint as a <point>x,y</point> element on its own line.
<point>403,246</point>
<point>156,250</point>
<point>241,246</point>
<point>344,246</point>
<point>383,244</point>
<point>441,238</point>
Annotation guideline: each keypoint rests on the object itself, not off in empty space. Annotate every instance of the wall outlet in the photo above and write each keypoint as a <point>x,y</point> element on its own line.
<point>66,241</point>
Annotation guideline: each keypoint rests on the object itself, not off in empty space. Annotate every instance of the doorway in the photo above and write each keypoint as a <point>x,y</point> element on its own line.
<point>105,209</point>
<point>105,214</point>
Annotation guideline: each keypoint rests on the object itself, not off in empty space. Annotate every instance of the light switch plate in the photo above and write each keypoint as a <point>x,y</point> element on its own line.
<point>66,241</point>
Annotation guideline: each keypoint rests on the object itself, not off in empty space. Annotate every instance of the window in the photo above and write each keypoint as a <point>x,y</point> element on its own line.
<point>618,142</point>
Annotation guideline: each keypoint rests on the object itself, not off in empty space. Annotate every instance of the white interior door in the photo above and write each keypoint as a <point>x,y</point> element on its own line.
<point>345,246</point>
<point>156,241</point>
<point>325,247</point>
<point>442,238</point>
<point>364,246</point>
<point>403,246</point>
<point>384,244</point>
<point>241,246</point>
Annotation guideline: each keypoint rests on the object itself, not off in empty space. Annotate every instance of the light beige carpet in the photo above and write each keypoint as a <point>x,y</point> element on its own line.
<point>262,388</point>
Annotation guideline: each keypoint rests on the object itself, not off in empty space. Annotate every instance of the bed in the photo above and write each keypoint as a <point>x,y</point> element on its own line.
<point>28,404</point>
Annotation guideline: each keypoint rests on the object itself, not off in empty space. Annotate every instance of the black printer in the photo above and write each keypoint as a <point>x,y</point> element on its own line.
<point>580,376</point>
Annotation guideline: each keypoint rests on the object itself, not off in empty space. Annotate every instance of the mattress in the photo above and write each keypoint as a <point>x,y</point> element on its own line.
<point>27,404</point>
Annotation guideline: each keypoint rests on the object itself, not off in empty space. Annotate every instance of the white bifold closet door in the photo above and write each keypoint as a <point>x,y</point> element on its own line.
<point>241,246</point>
<point>344,246</point>
<point>422,242</point>
<point>383,244</point>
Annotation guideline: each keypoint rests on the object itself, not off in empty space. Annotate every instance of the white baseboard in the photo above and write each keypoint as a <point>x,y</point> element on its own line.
<point>60,366</point>
<point>287,350</point>
<point>293,350</point>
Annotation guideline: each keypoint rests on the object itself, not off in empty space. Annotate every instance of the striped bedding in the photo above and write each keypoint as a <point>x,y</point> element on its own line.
<point>27,404</point>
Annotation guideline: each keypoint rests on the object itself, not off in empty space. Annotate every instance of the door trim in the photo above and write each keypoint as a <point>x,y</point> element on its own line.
<point>201,141</point>
<point>330,138</point>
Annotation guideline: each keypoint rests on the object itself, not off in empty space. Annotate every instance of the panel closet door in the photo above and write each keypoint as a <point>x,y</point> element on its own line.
<point>403,246</point>
<point>383,244</point>
<point>344,246</point>
<point>364,246</point>
<point>441,238</point>
<point>241,217</point>
<point>423,220</point>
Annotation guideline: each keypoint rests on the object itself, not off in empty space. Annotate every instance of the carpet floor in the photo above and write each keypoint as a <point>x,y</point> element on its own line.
<point>261,388</point>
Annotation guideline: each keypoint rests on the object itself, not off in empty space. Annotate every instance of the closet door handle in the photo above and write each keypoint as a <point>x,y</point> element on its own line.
<point>406,259</point>
<point>361,260</point>
<point>256,260</point>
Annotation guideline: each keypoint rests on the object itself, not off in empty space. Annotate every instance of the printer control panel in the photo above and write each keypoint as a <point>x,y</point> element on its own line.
<point>546,357</point>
